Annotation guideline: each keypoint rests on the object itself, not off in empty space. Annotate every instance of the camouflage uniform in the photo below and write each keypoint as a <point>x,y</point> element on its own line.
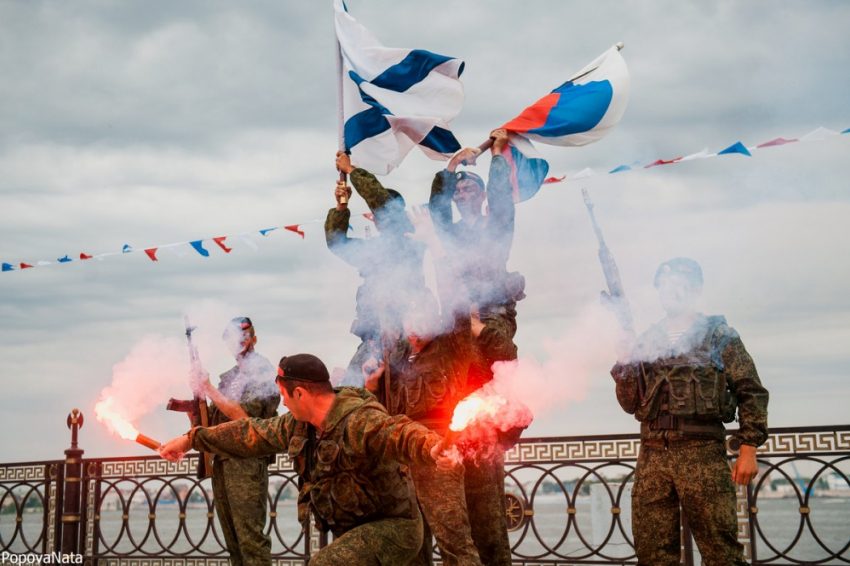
<point>482,251</point>
<point>390,265</point>
<point>682,398</point>
<point>351,481</point>
<point>240,486</point>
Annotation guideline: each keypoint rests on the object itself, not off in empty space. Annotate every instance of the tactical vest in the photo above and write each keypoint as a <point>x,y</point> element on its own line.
<point>688,387</point>
<point>428,387</point>
<point>343,489</point>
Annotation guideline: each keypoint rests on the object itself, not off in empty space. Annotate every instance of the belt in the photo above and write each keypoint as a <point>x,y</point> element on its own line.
<point>685,426</point>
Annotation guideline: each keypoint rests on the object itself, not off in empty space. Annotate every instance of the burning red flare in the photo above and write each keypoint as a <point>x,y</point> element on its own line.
<point>118,424</point>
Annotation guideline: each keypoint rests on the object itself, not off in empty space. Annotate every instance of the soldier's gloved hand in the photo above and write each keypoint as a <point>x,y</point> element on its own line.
<point>175,449</point>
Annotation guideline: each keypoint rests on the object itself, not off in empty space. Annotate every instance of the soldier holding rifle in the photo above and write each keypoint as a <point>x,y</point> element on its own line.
<point>683,379</point>
<point>240,485</point>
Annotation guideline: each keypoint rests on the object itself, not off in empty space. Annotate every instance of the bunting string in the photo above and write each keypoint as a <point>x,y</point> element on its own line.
<point>177,248</point>
<point>220,242</point>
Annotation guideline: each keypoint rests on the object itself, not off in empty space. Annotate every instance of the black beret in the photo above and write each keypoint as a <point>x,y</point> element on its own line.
<point>303,367</point>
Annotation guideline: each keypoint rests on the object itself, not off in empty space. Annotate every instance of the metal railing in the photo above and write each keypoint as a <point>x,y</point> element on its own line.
<point>568,502</point>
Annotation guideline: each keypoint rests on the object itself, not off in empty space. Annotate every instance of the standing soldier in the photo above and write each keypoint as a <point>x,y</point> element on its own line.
<point>241,485</point>
<point>390,265</point>
<point>346,450</point>
<point>682,380</point>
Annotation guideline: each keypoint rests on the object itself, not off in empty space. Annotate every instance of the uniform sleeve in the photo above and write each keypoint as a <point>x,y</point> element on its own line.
<point>350,250</point>
<point>440,201</point>
<point>388,212</point>
<point>500,198</point>
<point>261,400</point>
<point>373,432</point>
<point>245,438</point>
<point>626,378</point>
<point>746,385</point>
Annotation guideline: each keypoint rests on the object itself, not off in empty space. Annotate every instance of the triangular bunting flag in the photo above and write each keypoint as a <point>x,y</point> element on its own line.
<point>846,131</point>
<point>699,155</point>
<point>248,241</point>
<point>662,162</point>
<point>151,253</point>
<point>127,249</point>
<point>551,180</point>
<point>369,216</point>
<point>8,267</point>
<point>294,228</point>
<point>818,135</point>
<point>65,259</point>
<point>737,147</point>
<point>173,248</point>
<point>586,172</point>
<point>199,248</point>
<point>266,231</point>
<point>42,263</point>
<point>619,169</point>
<point>220,242</point>
<point>84,256</point>
<point>777,141</point>
<point>25,266</point>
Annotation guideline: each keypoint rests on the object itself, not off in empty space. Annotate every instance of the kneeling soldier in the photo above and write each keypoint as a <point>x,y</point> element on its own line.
<point>346,450</point>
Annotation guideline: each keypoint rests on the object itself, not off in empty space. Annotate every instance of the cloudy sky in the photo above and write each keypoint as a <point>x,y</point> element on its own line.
<point>158,122</point>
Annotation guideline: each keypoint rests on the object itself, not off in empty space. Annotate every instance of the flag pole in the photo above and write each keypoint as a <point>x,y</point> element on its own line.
<point>487,144</point>
<point>340,114</point>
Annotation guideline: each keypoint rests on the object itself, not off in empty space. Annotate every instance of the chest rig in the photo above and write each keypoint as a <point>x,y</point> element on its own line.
<point>344,489</point>
<point>688,391</point>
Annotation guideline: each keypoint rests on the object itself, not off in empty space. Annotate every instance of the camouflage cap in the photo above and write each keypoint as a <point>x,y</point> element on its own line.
<point>302,367</point>
<point>683,266</point>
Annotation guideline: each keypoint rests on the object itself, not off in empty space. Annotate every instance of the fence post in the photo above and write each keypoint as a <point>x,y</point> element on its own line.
<point>73,477</point>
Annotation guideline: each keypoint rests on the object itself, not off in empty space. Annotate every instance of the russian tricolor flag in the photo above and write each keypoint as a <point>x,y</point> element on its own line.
<point>580,111</point>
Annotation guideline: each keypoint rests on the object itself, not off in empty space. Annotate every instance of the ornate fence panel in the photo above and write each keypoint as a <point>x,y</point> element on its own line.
<point>568,502</point>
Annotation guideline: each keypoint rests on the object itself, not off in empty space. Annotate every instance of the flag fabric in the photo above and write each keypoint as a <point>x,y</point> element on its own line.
<point>736,147</point>
<point>297,229</point>
<point>394,99</point>
<point>582,110</point>
<point>528,168</point>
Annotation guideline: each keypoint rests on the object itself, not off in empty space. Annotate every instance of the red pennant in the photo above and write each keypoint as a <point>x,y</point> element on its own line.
<point>294,228</point>
<point>84,256</point>
<point>554,180</point>
<point>151,253</point>
<point>369,216</point>
<point>662,162</point>
<point>25,265</point>
<point>220,242</point>
<point>777,141</point>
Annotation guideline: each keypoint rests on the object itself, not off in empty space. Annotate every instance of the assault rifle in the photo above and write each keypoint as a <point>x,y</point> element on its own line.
<point>615,297</point>
<point>196,407</point>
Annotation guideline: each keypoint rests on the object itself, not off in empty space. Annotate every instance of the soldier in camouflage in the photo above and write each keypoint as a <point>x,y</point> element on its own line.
<point>346,450</point>
<point>428,379</point>
<point>240,485</point>
<point>682,379</point>
<point>481,244</point>
<point>390,265</point>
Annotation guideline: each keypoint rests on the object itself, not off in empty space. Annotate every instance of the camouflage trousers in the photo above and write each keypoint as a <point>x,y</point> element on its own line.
<point>694,474</point>
<point>240,487</point>
<point>464,509</point>
<point>387,542</point>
